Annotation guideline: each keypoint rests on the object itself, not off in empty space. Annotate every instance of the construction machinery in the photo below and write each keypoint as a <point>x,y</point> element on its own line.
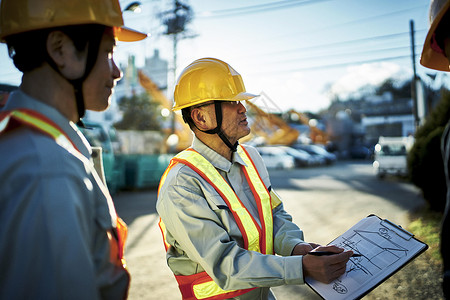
<point>317,135</point>
<point>273,129</point>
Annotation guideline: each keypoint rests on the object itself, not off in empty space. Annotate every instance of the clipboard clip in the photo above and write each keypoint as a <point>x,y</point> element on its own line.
<point>406,235</point>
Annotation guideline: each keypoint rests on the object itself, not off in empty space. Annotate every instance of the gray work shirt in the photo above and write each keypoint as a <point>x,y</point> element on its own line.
<point>205,236</point>
<point>54,216</point>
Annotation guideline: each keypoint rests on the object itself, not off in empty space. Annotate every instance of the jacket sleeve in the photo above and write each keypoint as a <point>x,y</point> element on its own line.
<point>50,243</point>
<point>287,234</point>
<point>196,230</point>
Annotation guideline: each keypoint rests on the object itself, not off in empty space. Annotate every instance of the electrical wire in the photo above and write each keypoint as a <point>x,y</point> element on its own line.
<point>233,12</point>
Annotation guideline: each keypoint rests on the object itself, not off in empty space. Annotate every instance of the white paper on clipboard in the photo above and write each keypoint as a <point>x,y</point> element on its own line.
<point>385,248</point>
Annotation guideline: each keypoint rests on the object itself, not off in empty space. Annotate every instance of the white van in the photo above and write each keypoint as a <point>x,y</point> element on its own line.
<point>391,154</point>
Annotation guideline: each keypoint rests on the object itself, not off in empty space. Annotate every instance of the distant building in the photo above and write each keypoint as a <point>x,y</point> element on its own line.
<point>363,121</point>
<point>155,67</point>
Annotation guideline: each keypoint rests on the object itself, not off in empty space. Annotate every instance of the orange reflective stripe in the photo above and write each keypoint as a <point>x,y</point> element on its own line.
<point>246,223</point>
<point>43,124</point>
<point>122,233</point>
<point>201,286</point>
<point>262,200</point>
<point>161,224</point>
<point>162,227</point>
<point>39,122</point>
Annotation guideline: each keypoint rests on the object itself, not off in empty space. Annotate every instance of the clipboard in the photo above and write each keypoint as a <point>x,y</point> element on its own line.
<point>385,248</point>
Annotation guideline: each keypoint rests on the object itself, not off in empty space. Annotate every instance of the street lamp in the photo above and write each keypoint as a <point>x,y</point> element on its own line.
<point>133,7</point>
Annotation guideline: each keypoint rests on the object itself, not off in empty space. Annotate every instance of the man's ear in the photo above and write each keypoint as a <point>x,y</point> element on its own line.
<point>199,118</point>
<point>70,62</point>
<point>55,47</point>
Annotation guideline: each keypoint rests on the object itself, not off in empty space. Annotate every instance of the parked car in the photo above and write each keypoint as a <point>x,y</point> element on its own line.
<point>360,152</point>
<point>319,151</point>
<point>301,158</point>
<point>276,158</point>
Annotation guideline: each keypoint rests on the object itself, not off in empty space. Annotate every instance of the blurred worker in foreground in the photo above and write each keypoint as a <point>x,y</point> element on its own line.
<point>221,220</point>
<point>60,237</point>
<point>436,55</point>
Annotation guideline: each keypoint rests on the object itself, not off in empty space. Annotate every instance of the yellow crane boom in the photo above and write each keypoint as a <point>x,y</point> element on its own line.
<point>181,130</point>
<point>272,128</point>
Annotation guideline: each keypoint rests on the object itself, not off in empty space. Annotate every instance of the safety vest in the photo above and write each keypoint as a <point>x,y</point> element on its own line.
<point>10,120</point>
<point>256,238</point>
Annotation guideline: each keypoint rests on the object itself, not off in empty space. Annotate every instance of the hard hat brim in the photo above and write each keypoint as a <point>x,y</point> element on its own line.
<point>429,57</point>
<point>125,34</point>
<point>239,97</point>
<point>244,96</point>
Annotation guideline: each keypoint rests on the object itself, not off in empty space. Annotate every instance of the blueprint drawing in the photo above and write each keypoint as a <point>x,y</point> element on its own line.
<point>384,248</point>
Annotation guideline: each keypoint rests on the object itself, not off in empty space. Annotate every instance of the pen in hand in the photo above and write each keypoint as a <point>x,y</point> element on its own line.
<point>324,253</point>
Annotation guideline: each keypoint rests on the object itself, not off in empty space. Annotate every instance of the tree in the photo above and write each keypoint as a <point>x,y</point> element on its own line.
<point>425,162</point>
<point>139,113</point>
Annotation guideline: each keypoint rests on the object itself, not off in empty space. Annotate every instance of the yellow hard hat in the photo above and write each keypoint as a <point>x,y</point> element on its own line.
<point>432,57</point>
<point>208,79</point>
<point>19,16</point>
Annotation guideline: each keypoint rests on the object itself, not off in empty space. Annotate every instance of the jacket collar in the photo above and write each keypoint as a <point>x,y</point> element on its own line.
<point>217,160</point>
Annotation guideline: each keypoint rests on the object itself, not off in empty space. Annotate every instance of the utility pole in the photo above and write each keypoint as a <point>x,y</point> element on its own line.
<point>415,77</point>
<point>176,21</point>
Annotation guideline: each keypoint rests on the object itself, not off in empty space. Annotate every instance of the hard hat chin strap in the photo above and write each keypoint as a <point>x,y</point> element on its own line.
<point>218,109</point>
<point>92,53</point>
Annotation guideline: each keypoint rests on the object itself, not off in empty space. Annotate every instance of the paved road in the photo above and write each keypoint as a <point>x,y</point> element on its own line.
<point>324,202</point>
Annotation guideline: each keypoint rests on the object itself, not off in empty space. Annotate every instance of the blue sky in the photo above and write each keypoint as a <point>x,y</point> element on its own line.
<point>299,53</point>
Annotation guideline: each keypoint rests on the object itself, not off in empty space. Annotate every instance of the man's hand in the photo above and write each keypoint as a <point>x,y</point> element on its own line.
<point>303,248</point>
<point>326,268</point>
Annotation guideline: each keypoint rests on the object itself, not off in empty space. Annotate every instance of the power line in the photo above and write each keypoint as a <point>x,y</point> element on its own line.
<point>357,21</point>
<point>257,8</point>
<point>337,65</point>
<point>336,55</point>
<point>347,42</point>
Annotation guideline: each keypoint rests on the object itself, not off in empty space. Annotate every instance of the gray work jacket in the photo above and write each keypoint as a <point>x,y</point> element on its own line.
<point>205,237</point>
<point>54,216</point>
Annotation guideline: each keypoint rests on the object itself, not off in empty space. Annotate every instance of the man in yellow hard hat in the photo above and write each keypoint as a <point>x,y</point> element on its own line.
<point>60,236</point>
<point>220,217</point>
<point>436,55</point>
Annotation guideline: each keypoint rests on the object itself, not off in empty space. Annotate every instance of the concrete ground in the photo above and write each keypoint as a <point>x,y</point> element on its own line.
<point>323,201</point>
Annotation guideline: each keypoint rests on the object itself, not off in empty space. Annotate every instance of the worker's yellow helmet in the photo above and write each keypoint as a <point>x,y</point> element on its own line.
<point>19,16</point>
<point>432,56</point>
<point>208,79</point>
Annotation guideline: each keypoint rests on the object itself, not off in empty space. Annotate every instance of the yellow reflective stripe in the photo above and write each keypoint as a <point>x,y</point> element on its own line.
<point>59,137</point>
<point>215,178</point>
<point>162,226</point>
<point>248,227</point>
<point>164,175</point>
<point>275,199</point>
<point>262,192</point>
<point>37,122</point>
<point>208,289</point>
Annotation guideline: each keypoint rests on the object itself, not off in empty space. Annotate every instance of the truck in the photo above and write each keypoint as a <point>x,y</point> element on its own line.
<point>125,168</point>
<point>391,156</point>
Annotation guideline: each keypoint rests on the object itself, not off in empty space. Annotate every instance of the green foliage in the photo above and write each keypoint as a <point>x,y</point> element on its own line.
<point>139,113</point>
<point>398,90</point>
<point>425,159</point>
<point>426,227</point>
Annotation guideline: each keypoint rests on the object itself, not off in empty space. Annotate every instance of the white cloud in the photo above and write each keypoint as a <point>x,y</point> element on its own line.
<point>290,91</point>
<point>367,74</point>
